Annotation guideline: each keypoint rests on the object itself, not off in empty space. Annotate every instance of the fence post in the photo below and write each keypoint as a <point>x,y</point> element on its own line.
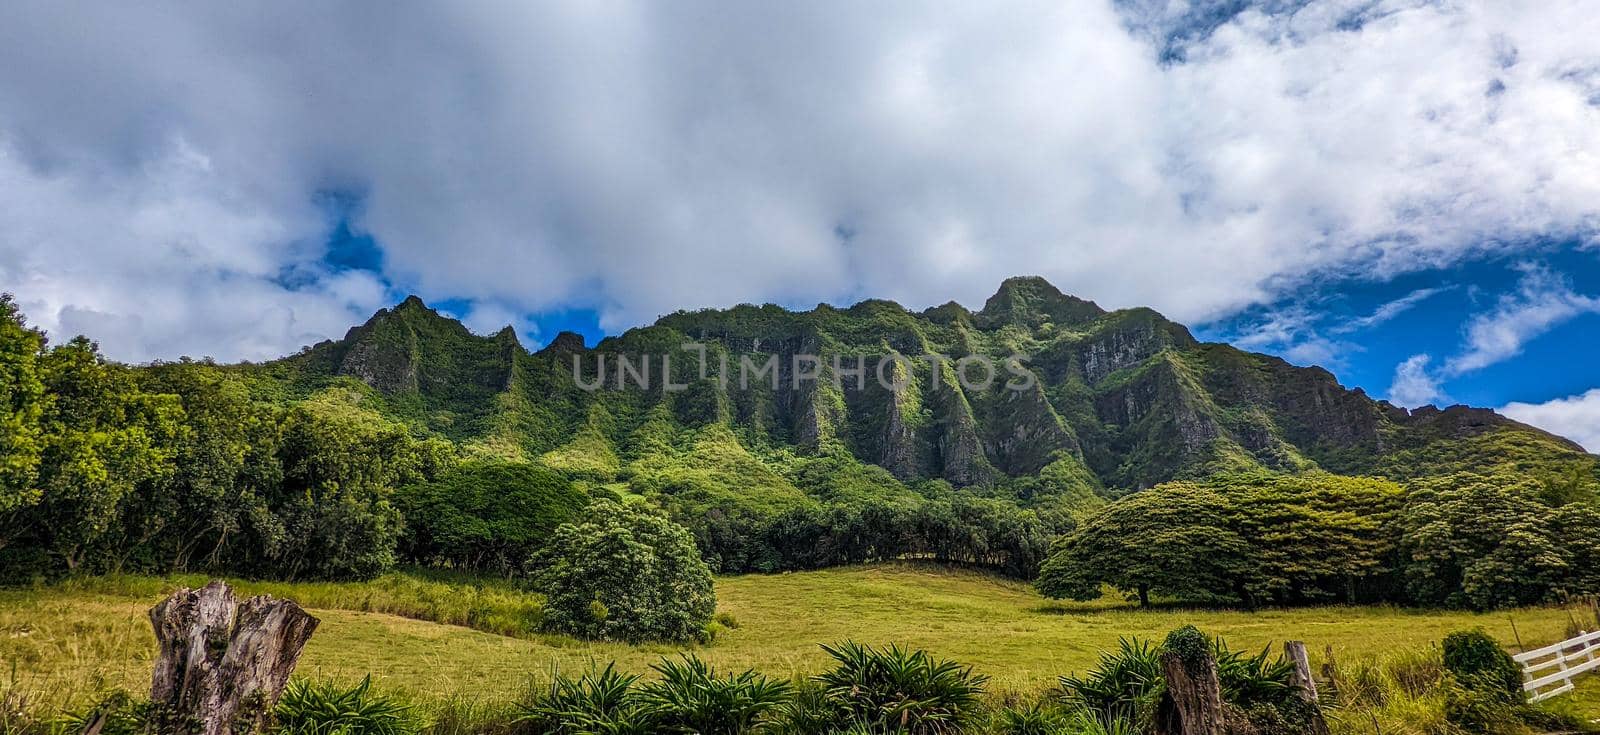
<point>1295,652</point>
<point>222,663</point>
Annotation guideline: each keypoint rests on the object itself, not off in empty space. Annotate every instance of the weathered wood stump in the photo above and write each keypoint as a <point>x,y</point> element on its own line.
<point>1193,702</point>
<point>1295,652</point>
<point>223,664</point>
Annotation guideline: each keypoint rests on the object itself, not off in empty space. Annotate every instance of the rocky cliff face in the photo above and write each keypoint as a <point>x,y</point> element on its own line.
<point>1124,399</point>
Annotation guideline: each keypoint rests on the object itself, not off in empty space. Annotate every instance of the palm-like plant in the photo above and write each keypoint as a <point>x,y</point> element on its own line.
<point>690,698</point>
<point>1250,680</point>
<point>1126,685</point>
<point>324,708</point>
<point>596,703</point>
<point>901,691</point>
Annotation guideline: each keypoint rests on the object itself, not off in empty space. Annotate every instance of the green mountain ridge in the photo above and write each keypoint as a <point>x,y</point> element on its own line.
<point>1121,400</point>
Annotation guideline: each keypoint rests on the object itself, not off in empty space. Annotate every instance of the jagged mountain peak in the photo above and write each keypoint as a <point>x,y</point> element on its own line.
<point>1030,301</point>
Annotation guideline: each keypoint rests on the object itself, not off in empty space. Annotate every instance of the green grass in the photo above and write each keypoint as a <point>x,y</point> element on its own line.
<point>89,634</point>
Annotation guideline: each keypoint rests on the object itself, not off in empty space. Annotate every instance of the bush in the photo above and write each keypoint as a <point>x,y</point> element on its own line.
<point>691,698</point>
<point>1478,662</point>
<point>900,691</point>
<point>324,708</point>
<point>1125,686</point>
<point>597,702</point>
<point>625,573</point>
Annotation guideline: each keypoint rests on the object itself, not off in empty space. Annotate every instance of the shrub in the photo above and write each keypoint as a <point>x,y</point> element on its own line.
<point>1189,644</point>
<point>690,698</point>
<point>807,711</point>
<point>896,690</point>
<point>597,702</point>
<point>1480,710</point>
<point>1125,685</point>
<point>323,708</point>
<point>1478,662</point>
<point>624,573</point>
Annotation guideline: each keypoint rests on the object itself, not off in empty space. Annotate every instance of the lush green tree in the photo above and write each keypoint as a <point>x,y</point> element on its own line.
<point>102,437</point>
<point>1253,538</point>
<point>22,402</point>
<point>212,511</point>
<point>1482,540</point>
<point>1314,535</point>
<point>341,464</point>
<point>487,515</point>
<point>624,572</point>
<point>1173,540</point>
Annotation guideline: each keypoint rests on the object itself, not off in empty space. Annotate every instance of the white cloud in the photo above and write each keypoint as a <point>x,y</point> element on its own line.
<point>1542,301</point>
<point>1413,385</point>
<point>636,157</point>
<point>1388,311</point>
<point>1575,417</point>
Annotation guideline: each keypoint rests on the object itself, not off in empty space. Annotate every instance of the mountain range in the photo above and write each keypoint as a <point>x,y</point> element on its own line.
<point>1120,400</point>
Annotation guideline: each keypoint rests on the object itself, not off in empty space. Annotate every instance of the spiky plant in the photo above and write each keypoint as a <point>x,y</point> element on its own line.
<point>899,690</point>
<point>325,708</point>
<point>1125,685</point>
<point>596,703</point>
<point>690,698</point>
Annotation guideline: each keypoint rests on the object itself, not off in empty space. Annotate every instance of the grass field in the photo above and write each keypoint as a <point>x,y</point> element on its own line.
<point>92,634</point>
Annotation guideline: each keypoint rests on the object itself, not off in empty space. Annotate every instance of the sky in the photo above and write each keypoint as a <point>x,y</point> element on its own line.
<point>1404,191</point>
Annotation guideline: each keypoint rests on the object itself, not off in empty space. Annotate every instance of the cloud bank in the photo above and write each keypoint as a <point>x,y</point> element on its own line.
<point>160,167</point>
<point>1576,417</point>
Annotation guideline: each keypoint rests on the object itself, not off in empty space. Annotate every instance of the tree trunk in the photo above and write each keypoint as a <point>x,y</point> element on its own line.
<point>1193,702</point>
<point>1295,652</point>
<point>222,663</point>
<point>1144,596</point>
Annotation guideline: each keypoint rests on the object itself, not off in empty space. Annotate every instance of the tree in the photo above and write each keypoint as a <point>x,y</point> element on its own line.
<point>1481,540</point>
<point>102,438</point>
<point>1172,539</point>
<point>341,465</point>
<point>22,401</point>
<point>624,573</point>
<point>211,511</point>
<point>1254,538</point>
<point>487,515</point>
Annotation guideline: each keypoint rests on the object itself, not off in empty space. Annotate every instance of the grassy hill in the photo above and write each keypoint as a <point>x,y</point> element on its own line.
<point>86,635</point>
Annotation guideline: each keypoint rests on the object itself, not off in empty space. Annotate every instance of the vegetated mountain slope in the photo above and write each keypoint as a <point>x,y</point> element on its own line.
<point>1122,400</point>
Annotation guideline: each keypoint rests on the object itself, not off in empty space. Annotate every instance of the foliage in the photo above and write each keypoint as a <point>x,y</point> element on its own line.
<point>22,404</point>
<point>325,708</point>
<point>1480,663</point>
<point>624,573</point>
<point>486,515</point>
<point>1126,685</point>
<point>1489,541</point>
<point>1461,540</point>
<point>898,690</point>
<point>689,697</point>
<point>600,702</point>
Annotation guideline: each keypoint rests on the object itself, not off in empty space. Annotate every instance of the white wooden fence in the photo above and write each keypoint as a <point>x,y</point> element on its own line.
<point>1548,671</point>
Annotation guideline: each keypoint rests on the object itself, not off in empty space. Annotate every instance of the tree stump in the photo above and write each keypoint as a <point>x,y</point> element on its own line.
<point>1295,651</point>
<point>1193,702</point>
<point>222,663</point>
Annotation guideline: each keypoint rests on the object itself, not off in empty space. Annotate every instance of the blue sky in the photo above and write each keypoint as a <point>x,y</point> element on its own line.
<point>1405,190</point>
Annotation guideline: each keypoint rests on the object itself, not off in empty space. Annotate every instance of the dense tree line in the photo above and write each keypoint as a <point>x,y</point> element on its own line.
<point>1462,540</point>
<point>962,529</point>
<point>176,467</point>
